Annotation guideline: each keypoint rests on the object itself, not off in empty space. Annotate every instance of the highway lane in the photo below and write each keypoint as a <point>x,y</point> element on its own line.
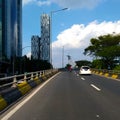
<point>70,96</point>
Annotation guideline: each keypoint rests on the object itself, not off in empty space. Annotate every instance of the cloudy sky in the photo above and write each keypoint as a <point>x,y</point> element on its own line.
<point>73,28</point>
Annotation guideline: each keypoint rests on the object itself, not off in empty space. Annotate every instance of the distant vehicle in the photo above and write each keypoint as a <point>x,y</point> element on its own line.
<point>85,70</point>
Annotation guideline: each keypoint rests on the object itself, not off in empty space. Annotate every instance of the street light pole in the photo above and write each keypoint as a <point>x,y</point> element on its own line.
<point>63,57</point>
<point>51,13</point>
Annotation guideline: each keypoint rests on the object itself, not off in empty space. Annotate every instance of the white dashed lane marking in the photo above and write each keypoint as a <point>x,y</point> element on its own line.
<point>95,87</point>
<point>82,78</point>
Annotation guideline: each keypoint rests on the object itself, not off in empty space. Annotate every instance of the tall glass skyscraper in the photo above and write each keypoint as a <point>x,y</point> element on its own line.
<point>10,29</point>
<point>45,37</point>
<point>36,47</point>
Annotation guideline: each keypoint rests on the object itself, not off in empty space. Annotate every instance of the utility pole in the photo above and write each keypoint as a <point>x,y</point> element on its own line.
<point>51,14</point>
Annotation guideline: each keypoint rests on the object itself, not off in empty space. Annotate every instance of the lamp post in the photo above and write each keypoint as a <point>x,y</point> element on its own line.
<point>63,57</point>
<point>51,14</point>
<point>119,56</point>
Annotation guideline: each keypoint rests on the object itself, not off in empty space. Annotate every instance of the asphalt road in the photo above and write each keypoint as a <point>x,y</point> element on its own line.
<point>69,96</point>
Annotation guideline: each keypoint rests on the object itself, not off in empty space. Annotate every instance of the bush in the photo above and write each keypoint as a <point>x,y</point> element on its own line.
<point>117,67</point>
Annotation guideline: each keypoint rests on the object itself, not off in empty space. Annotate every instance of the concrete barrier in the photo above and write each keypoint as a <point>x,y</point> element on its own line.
<point>3,103</point>
<point>24,87</point>
<point>115,76</point>
<point>107,73</point>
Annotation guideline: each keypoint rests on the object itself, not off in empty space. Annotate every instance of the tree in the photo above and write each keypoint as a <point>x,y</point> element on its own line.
<point>83,63</point>
<point>25,64</point>
<point>98,64</point>
<point>106,48</point>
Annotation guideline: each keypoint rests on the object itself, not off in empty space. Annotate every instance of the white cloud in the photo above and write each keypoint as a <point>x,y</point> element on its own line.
<point>29,55</point>
<point>77,3</point>
<point>77,38</point>
<point>72,4</point>
<point>37,2</point>
<point>27,1</point>
<point>40,3</point>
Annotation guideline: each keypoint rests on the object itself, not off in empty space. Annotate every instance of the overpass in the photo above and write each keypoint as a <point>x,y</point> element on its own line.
<point>69,96</point>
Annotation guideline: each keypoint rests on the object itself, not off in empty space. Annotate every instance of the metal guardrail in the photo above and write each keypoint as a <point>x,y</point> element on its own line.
<point>11,81</point>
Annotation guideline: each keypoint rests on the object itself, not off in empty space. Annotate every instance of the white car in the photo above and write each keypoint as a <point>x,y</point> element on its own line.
<point>85,70</point>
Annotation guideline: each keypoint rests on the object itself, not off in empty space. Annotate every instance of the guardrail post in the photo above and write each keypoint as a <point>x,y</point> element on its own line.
<point>25,77</point>
<point>31,76</point>
<point>14,81</point>
<point>40,74</point>
<point>43,73</point>
<point>47,72</point>
<point>37,75</point>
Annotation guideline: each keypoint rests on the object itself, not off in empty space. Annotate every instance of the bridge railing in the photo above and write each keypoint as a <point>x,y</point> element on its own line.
<point>14,87</point>
<point>12,81</point>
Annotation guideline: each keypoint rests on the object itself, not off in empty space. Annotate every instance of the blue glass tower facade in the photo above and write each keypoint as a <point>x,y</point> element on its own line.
<point>10,29</point>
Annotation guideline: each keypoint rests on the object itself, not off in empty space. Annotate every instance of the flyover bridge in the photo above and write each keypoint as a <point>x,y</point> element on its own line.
<point>69,96</point>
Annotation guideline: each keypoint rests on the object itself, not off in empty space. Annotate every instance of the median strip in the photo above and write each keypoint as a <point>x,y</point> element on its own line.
<point>98,89</point>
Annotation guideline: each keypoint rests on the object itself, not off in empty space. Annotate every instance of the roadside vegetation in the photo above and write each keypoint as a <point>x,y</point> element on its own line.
<point>106,51</point>
<point>20,65</point>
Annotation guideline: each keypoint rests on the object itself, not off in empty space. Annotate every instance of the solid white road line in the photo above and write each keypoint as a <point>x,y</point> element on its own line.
<point>7,116</point>
<point>98,89</point>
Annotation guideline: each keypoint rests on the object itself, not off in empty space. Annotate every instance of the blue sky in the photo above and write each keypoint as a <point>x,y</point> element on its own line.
<point>72,28</point>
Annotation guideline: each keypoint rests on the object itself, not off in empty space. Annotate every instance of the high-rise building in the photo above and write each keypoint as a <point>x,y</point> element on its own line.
<point>45,37</point>
<point>10,32</point>
<point>10,29</point>
<point>35,47</point>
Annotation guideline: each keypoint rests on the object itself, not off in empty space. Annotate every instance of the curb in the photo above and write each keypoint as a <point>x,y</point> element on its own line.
<point>112,76</point>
